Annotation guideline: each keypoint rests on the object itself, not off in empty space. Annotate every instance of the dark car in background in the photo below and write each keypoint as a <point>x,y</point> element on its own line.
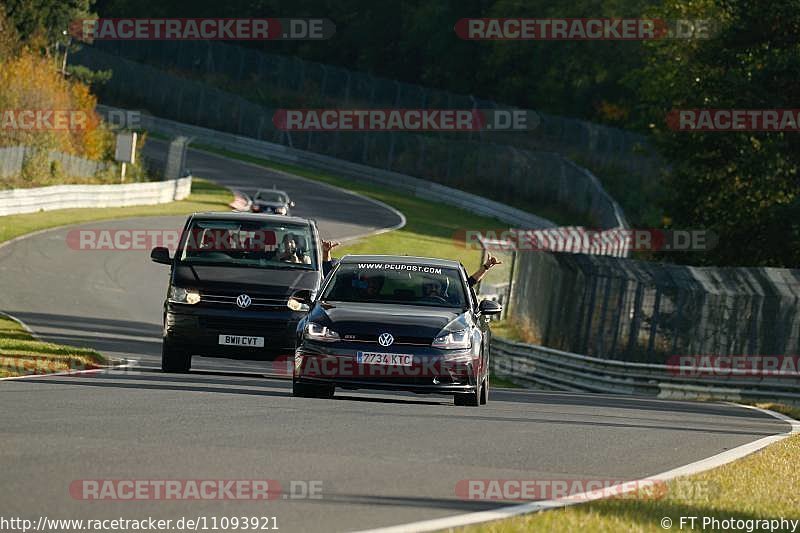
<point>271,201</point>
<point>395,323</point>
<point>231,286</point>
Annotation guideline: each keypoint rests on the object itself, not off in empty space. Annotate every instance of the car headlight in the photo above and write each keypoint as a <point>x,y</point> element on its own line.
<point>296,305</point>
<point>453,340</point>
<point>179,295</point>
<point>280,210</point>
<point>316,332</point>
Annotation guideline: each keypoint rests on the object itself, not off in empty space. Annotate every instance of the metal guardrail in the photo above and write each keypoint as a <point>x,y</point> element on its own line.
<point>17,201</point>
<point>533,365</point>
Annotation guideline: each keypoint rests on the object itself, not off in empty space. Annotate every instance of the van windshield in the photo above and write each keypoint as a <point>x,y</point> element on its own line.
<point>249,244</point>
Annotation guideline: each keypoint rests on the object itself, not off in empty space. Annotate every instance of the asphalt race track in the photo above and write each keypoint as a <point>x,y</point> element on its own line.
<point>382,459</point>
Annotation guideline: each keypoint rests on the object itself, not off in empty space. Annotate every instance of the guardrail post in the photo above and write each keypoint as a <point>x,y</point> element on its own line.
<point>590,314</point>
<point>654,324</point>
<point>633,334</point>
<point>601,337</point>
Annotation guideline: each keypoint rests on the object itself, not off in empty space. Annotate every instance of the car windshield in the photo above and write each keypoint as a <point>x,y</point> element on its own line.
<point>249,244</point>
<point>397,283</point>
<point>270,196</point>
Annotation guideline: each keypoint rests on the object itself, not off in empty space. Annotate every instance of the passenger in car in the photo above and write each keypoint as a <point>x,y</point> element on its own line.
<point>491,261</point>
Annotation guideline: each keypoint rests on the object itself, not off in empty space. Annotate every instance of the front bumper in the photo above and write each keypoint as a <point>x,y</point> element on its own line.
<point>432,371</point>
<point>197,329</point>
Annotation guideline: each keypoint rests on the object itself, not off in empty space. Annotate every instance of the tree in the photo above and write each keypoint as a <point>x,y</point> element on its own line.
<point>742,185</point>
<point>46,21</point>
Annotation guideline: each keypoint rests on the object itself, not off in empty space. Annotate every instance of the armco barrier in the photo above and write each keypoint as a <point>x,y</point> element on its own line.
<point>394,180</point>
<point>17,201</point>
<point>538,366</point>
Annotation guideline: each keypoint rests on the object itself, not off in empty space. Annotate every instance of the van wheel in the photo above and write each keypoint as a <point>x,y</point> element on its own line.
<point>308,390</point>
<point>174,360</point>
<point>485,391</point>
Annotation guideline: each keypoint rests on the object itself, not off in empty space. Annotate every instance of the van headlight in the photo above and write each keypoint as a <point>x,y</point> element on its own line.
<point>296,305</point>
<point>453,340</point>
<point>315,332</point>
<point>179,295</point>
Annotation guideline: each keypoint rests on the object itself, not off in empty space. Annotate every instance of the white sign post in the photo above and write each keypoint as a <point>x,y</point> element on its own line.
<point>125,151</point>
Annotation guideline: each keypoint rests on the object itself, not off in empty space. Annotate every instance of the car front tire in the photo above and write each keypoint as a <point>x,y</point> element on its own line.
<point>468,399</point>
<point>174,359</point>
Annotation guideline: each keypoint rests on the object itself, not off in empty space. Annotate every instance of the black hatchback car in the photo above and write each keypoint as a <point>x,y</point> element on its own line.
<point>231,286</point>
<point>271,201</point>
<point>395,323</point>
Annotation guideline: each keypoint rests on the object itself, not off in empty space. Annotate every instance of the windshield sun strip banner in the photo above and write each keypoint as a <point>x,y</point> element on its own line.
<point>424,269</point>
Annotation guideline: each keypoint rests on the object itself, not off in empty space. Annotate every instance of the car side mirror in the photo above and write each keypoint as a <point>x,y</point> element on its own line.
<point>304,296</point>
<point>160,254</point>
<point>489,307</point>
<point>291,204</point>
<point>300,301</point>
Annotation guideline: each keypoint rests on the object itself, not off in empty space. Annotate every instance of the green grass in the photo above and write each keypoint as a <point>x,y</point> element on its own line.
<point>205,196</point>
<point>508,329</point>
<point>21,353</point>
<point>497,381</point>
<point>760,486</point>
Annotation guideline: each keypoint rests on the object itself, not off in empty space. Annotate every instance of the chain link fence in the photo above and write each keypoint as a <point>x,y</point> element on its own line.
<point>275,80</point>
<point>12,161</point>
<point>529,180</point>
<point>639,311</point>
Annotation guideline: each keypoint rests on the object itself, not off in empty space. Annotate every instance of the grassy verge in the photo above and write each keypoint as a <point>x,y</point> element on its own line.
<point>206,196</point>
<point>21,354</point>
<point>508,329</point>
<point>761,486</point>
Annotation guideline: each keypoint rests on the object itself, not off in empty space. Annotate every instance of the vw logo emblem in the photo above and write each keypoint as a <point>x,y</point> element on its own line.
<point>385,339</point>
<point>243,301</point>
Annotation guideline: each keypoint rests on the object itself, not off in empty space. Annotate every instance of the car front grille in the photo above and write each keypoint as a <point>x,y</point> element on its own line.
<point>243,325</point>
<point>402,341</point>
<point>259,303</point>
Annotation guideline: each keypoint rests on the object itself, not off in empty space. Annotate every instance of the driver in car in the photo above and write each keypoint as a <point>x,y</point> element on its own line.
<point>290,252</point>
<point>435,290</point>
